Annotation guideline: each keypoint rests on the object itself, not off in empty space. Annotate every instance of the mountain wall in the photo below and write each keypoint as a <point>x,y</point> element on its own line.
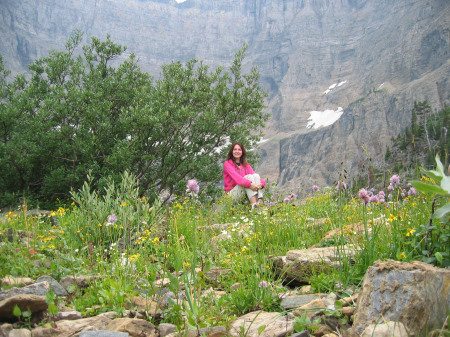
<point>373,59</point>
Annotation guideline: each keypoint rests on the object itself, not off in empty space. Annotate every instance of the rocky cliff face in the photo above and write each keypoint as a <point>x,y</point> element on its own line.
<point>371,58</point>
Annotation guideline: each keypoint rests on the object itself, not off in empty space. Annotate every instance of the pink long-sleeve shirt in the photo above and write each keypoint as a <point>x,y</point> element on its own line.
<point>234,175</point>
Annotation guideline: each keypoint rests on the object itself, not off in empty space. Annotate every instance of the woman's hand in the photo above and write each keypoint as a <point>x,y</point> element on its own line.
<point>255,187</point>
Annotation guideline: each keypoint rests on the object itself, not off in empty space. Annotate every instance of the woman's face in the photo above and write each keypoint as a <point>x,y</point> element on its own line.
<point>237,152</point>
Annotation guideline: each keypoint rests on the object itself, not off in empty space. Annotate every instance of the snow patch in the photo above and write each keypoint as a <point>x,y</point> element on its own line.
<point>333,86</point>
<point>180,1</point>
<point>323,118</point>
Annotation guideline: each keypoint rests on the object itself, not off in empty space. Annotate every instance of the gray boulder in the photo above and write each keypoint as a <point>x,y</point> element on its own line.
<point>415,294</point>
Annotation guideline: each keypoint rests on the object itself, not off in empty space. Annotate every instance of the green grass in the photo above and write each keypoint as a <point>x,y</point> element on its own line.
<point>155,241</point>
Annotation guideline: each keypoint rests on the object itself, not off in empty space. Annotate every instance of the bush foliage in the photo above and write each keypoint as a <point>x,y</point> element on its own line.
<point>81,111</point>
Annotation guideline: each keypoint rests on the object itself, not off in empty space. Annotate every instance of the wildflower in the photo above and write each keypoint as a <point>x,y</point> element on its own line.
<point>402,256</point>
<point>341,185</point>
<point>112,219</point>
<point>286,200</point>
<point>362,194</point>
<point>410,232</point>
<point>373,198</point>
<point>315,188</point>
<point>123,204</point>
<point>263,284</point>
<point>412,191</point>
<point>390,187</point>
<point>192,186</point>
<point>395,179</point>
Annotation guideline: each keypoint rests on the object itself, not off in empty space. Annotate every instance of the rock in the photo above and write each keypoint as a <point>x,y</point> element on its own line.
<point>11,281</point>
<point>143,304</point>
<point>30,302</point>
<point>318,304</point>
<point>135,327</point>
<point>166,328</point>
<point>68,327</point>
<point>276,324</point>
<point>57,288</point>
<point>415,294</point>
<point>299,263</point>
<point>39,289</point>
<point>293,302</point>
<point>80,282</point>
<point>46,332</point>
<point>386,329</point>
<point>20,333</point>
<point>104,333</point>
<point>213,275</point>
<point>68,315</point>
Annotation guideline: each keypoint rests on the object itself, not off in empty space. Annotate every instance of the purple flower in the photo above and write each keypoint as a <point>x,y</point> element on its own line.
<point>395,179</point>
<point>412,191</point>
<point>170,199</point>
<point>287,199</point>
<point>362,194</point>
<point>263,284</point>
<point>390,187</point>
<point>381,200</point>
<point>315,188</point>
<point>390,196</point>
<point>192,186</point>
<point>341,185</point>
<point>112,219</point>
<point>373,198</point>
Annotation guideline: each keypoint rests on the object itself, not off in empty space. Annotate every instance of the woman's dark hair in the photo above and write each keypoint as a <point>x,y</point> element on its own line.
<point>244,153</point>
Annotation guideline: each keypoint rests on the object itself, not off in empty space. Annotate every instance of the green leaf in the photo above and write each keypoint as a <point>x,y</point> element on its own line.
<point>426,188</point>
<point>445,184</point>
<point>16,311</point>
<point>441,212</point>
<point>438,257</point>
<point>261,329</point>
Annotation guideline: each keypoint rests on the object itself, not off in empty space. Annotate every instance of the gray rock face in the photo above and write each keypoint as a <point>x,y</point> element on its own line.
<point>415,294</point>
<point>372,58</point>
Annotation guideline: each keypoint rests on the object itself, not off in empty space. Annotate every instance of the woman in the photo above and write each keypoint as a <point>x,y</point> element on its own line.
<point>239,177</point>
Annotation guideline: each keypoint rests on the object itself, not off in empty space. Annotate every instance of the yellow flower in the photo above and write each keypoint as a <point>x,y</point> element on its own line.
<point>134,257</point>
<point>124,204</point>
<point>155,240</point>
<point>402,256</point>
<point>230,254</point>
<point>52,213</point>
<point>51,246</point>
<point>410,232</point>
<point>244,249</point>
<point>186,264</point>
<point>99,225</point>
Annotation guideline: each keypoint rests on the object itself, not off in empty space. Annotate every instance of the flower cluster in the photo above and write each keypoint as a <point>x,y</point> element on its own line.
<point>370,196</point>
<point>192,186</point>
<point>290,198</point>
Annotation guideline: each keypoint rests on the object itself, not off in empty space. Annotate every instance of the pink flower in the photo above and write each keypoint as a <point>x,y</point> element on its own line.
<point>315,188</point>
<point>395,179</point>
<point>412,191</point>
<point>390,187</point>
<point>192,186</point>
<point>373,198</point>
<point>112,219</point>
<point>363,195</point>
<point>341,185</point>
<point>263,284</point>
